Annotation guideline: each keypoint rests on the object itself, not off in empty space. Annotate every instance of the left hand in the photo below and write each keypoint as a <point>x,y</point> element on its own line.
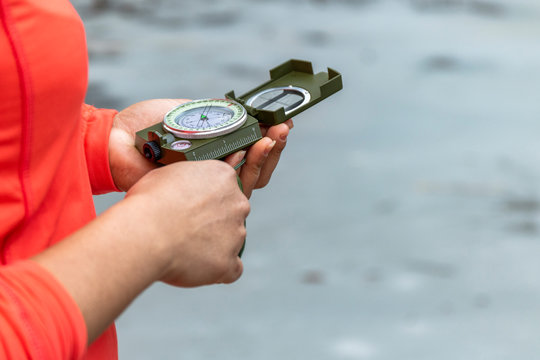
<point>262,157</point>
<point>128,165</point>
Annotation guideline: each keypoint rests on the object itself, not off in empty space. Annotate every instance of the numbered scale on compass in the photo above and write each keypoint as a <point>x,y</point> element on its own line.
<point>199,130</point>
<point>206,118</point>
<point>215,128</point>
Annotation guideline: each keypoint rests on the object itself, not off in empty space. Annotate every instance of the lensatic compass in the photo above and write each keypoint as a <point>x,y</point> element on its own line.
<point>214,128</point>
<point>202,119</point>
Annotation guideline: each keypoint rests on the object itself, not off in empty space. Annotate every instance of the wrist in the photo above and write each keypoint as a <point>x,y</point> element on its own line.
<point>127,165</point>
<point>142,237</point>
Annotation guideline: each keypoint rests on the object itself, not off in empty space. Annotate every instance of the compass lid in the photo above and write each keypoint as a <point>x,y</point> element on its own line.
<point>292,88</point>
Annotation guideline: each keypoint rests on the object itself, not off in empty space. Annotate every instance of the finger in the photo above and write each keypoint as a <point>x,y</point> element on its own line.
<point>127,164</point>
<point>279,134</point>
<point>145,113</point>
<point>237,268</point>
<point>235,159</point>
<point>264,128</point>
<point>289,123</point>
<point>255,158</point>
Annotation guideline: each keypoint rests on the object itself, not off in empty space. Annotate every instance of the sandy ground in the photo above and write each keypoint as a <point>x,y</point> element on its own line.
<point>403,221</point>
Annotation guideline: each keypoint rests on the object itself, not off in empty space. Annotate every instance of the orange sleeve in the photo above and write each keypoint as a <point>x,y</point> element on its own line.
<point>97,124</point>
<point>38,318</point>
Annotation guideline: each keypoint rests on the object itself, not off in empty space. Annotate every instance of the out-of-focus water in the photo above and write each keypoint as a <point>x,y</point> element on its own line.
<point>403,221</point>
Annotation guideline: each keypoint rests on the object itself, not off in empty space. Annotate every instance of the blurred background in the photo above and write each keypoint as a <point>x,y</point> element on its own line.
<point>404,219</point>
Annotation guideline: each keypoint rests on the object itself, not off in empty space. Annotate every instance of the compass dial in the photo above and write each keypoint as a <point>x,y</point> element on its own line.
<point>206,118</point>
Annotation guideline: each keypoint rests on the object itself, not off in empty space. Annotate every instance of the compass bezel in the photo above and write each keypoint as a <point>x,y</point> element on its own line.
<point>237,120</point>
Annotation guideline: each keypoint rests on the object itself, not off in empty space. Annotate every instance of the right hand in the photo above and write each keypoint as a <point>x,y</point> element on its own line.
<point>195,215</point>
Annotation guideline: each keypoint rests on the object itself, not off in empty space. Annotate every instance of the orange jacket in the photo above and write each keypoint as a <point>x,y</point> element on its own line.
<point>53,156</point>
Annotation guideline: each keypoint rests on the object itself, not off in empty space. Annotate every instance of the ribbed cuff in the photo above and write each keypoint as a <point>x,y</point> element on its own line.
<point>97,128</point>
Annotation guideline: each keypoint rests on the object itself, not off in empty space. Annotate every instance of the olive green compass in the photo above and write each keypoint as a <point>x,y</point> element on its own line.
<point>214,128</point>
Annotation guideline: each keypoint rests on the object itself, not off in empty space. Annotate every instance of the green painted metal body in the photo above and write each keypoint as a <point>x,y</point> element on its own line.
<point>201,149</point>
<point>297,73</point>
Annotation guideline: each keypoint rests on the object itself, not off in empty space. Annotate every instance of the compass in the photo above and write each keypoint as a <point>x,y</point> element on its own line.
<point>214,128</point>
<point>205,118</point>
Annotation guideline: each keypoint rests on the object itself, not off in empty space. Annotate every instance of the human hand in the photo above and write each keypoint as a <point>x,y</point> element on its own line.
<point>128,165</point>
<point>262,157</point>
<point>195,213</point>
<point>126,162</point>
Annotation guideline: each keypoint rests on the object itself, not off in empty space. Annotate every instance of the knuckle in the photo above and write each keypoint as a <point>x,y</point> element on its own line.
<point>226,169</point>
<point>255,169</point>
<point>245,206</point>
<point>220,166</point>
<point>263,182</point>
<point>279,149</point>
<point>221,267</point>
<point>238,270</point>
<point>235,273</point>
<point>242,233</point>
<point>223,172</point>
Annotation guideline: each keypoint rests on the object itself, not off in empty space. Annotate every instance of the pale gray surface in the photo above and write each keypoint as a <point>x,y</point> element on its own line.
<point>403,221</point>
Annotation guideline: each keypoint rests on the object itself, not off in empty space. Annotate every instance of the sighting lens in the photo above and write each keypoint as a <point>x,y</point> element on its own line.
<point>290,98</point>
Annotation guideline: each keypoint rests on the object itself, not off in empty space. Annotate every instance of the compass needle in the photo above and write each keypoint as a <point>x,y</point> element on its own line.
<point>214,128</point>
<point>206,118</point>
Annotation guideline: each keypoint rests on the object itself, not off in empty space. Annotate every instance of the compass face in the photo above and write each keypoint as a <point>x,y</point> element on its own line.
<point>205,118</point>
<point>288,97</point>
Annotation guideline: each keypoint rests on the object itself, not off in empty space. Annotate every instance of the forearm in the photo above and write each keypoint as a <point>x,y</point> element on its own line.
<point>152,235</point>
<point>106,264</point>
<point>38,319</point>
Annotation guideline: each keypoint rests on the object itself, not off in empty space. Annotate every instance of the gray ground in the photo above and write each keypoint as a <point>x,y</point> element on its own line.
<point>403,221</point>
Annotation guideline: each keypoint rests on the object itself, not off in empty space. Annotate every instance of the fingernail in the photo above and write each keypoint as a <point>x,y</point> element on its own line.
<point>241,154</point>
<point>269,148</point>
